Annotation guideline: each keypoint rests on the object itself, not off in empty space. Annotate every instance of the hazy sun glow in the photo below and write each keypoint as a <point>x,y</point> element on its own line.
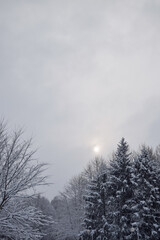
<point>96,149</point>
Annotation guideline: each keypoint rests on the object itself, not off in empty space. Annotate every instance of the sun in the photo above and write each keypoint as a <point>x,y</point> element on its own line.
<point>96,149</point>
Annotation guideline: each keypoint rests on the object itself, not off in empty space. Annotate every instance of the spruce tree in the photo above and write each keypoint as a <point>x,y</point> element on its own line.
<point>95,207</point>
<point>119,195</point>
<point>146,209</point>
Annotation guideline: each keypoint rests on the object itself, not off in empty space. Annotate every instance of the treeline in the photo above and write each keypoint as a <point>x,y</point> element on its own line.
<point>123,200</point>
<point>113,199</point>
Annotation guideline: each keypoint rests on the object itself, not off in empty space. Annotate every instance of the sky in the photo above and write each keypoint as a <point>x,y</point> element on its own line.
<point>80,73</point>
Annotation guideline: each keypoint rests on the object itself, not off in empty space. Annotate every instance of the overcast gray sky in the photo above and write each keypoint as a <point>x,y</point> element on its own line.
<point>76,73</point>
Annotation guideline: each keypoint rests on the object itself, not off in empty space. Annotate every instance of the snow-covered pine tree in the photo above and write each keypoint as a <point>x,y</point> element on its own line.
<point>95,207</point>
<point>146,210</point>
<point>119,188</point>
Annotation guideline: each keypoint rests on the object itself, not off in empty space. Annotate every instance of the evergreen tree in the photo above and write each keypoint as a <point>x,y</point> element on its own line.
<point>146,210</point>
<point>119,195</point>
<point>95,207</point>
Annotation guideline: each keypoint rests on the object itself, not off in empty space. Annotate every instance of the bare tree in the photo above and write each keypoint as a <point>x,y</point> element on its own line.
<point>69,209</point>
<point>20,174</point>
<point>95,167</point>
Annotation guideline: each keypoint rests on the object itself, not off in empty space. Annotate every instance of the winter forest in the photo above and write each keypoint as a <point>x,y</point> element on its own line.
<point>111,199</point>
<point>80,120</point>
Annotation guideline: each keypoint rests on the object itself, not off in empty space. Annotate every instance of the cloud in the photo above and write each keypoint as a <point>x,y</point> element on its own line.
<point>79,73</point>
